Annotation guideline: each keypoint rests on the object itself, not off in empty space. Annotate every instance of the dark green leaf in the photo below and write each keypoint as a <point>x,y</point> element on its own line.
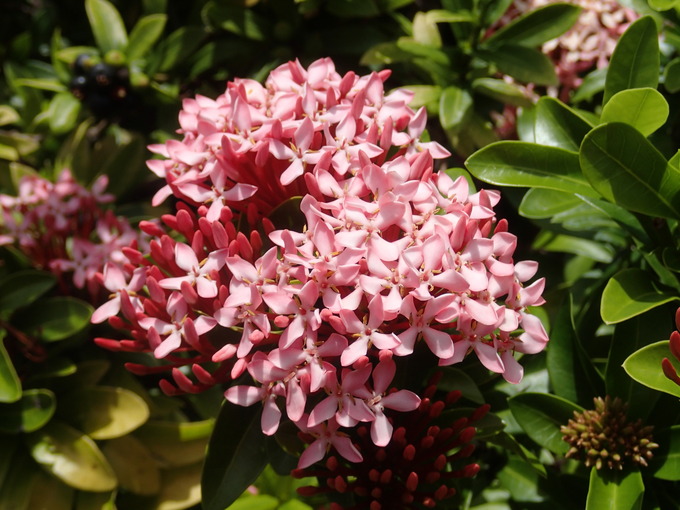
<point>237,19</point>
<point>10,384</point>
<point>630,293</point>
<point>671,76</point>
<point>521,480</point>
<point>635,61</point>
<point>615,490</point>
<point>175,49</point>
<point>454,379</point>
<point>72,457</point>
<point>455,106</point>
<point>625,219</point>
<point>592,84</point>
<point>551,241</point>
<point>540,415</point>
<point>23,287</point>
<point>625,168</point>
<point>537,26</point>
<point>644,365</point>
<point>144,35</point>
<point>557,125</point>
<point>524,64</point>
<point>529,165</point>
<point>645,109</point>
<point>135,466</point>
<point>666,461</point>
<point>55,318</point>
<point>176,444</point>
<point>353,8</point>
<point>107,25</point>
<point>236,456</point>
<point>33,411</point>
<point>502,91</point>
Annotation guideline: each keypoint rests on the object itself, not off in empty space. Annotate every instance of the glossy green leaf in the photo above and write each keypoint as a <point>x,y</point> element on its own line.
<point>624,218</point>
<point>550,241</point>
<point>592,84</point>
<point>134,464</point>
<point>256,502</point>
<point>72,457</point>
<point>557,125</point>
<point>525,64</point>
<point>663,5</point>
<point>34,409</point>
<point>645,109</point>
<point>49,84</point>
<point>55,318</point>
<point>644,365</point>
<point>635,61</point>
<point>671,76</point>
<point>625,168</point>
<point>630,293</point>
<point>541,415</point>
<point>444,16</point>
<point>666,461</point>
<point>540,203</point>
<point>144,35</point>
<point>236,455</point>
<point>521,480</point>
<point>176,443</point>
<point>615,490</point>
<point>455,106</point>
<point>107,25</point>
<point>23,287</point>
<point>63,112</point>
<point>104,412</point>
<point>529,165</point>
<point>10,384</point>
<point>502,91</point>
<point>538,25</point>
<point>455,379</point>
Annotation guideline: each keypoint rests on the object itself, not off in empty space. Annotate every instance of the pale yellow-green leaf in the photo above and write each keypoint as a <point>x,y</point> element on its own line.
<point>176,444</point>
<point>135,467</point>
<point>72,457</point>
<point>425,31</point>
<point>8,115</point>
<point>105,412</point>
<point>180,487</point>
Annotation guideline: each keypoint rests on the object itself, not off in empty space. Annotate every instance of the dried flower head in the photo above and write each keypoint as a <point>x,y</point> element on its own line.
<point>604,437</point>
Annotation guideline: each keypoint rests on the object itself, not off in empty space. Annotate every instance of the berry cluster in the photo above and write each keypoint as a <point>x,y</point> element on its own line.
<point>604,437</point>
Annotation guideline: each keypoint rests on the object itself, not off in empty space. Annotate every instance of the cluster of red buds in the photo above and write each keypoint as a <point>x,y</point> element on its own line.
<point>674,345</point>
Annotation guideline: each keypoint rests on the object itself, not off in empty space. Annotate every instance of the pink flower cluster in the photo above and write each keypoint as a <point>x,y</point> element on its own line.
<point>392,257</point>
<point>63,227</point>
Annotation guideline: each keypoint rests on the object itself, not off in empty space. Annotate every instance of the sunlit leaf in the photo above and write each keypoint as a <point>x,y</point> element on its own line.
<point>455,106</point>
<point>135,467</point>
<point>72,457</point>
<point>144,35</point>
<point>644,365</point>
<point>645,109</point>
<point>32,411</point>
<point>615,490</point>
<point>630,293</point>
<point>180,488</point>
<point>10,384</point>
<point>557,125</point>
<point>539,203</point>
<point>107,25</point>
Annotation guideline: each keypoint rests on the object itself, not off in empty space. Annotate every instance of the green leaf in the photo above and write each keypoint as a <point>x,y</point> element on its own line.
<point>615,490</point>
<point>625,219</point>
<point>444,16</point>
<point>644,365</point>
<point>524,64</point>
<point>63,112</point>
<point>54,318</point>
<point>176,444</point>
<point>557,125</point>
<point>540,415</point>
<point>455,379</point>
<point>538,25</point>
<point>50,84</point>
<point>8,115</point>
<point>425,31</point>
<point>550,241</point>
<point>49,493</point>
<point>95,501</point>
<point>663,5</point>
<point>16,488</point>
<point>502,91</point>
<point>592,84</point>
<point>666,461</point>
<point>236,455</point>
<point>455,106</point>
<point>10,384</point>
<point>521,480</point>
<point>175,49</point>
<point>630,293</point>
<point>425,95</point>
<point>540,203</point>
<point>625,168</point>
<point>635,61</point>
<point>511,163</point>
<point>72,457</point>
<point>23,287</point>
<point>255,502</point>
<point>645,109</point>
<point>180,488</point>
<point>144,35</point>
<point>34,409</point>
<point>107,25</point>
<point>237,19</point>
<point>671,76</point>
<point>104,412</point>
<point>135,466</point>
